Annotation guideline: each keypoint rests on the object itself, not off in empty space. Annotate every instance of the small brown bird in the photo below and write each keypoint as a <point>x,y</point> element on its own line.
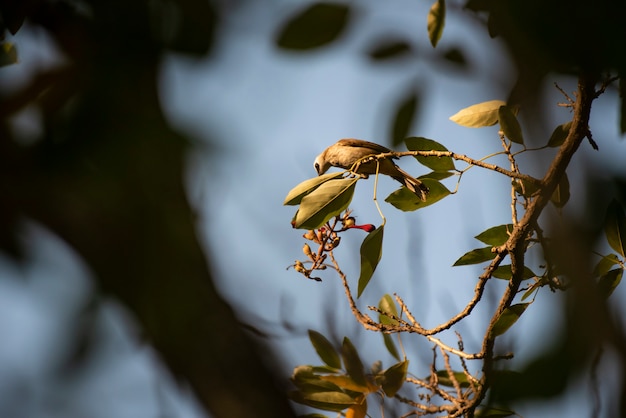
<point>345,152</point>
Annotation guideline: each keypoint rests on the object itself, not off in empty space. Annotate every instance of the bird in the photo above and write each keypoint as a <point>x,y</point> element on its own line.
<point>346,152</point>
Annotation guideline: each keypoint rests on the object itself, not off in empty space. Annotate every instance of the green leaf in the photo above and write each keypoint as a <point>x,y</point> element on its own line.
<point>504,272</point>
<point>560,196</point>
<point>508,318</point>
<point>559,134</point>
<point>437,175</point>
<point>541,282</point>
<point>394,377</point>
<point>390,49</point>
<point>608,282</point>
<point>295,195</point>
<point>436,21</point>
<point>325,349</point>
<point>496,235</point>
<point>329,401</point>
<point>328,200</point>
<point>307,382</point>
<point>404,117</point>
<point>407,201</point>
<point>615,227</point>
<point>477,256</point>
<point>8,54</point>
<point>316,26</point>
<point>444,378</point>
<point>605,264</point>
<point>345,383</point>
<point>371,252</point>
<point>434,163</point>
<point>391,346</point>
<point>387,304</point>
<point>352,362</point>
<point>509,125</point>
<point>478,115</point>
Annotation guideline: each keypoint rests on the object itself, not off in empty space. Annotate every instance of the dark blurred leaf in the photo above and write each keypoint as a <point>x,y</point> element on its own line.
<point>328,200</point>
<point>371,252</point>
<point>8,54</point>
<point>352,362</point>
<point>508,318</point>
<point>559,134</point>
<point>444,379</point>
<point>561,194</point>
<point>615,227</point>
<point>391,346</point>
<point>407,201</point>
<point>436,21</point>
<point>496,235</point>
<point>13,14</point>
<point>394,377</point>
<point>456,57</point>
<point>476,256</point>
<point>406,110</point>
<point>390,49</point>
<point>608,282</point>
<point>317,25</point>
<point>325,349</point>
<point>510,125</point>
<point>605,264</point>
<point>416,143</point>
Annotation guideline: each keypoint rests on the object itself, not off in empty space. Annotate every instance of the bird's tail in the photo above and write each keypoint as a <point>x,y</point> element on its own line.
<point>411,183</point>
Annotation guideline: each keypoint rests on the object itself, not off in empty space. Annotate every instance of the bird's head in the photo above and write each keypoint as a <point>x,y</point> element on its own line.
<point>321,165</point>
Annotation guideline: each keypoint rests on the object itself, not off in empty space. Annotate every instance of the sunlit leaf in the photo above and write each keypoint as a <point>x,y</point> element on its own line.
<point>371,252</point>
<point>608,282</point>
<point>345,383</point>
<point>504,272</point>
<point>605,264</point>
<point>328,200</point>
<point>434,163</point>
<point>615,227</point>
<point>325,349</point>
<point>510,125</point>
<point>307,381</point>
<point>477,256</point>
<point>295,195</point>
<point>387,304</point>
<point>404,117</point>
<point>496,235</point>
<point>508,318</point>
<point>407,201</point>
<point>561,195</point>
<point>436,21</point>
<point>352,362</point>
<point>358,410</point>
<point>559,134</point>
<point>478,115</point>
<point>394,377</point>
<point>317,25</point>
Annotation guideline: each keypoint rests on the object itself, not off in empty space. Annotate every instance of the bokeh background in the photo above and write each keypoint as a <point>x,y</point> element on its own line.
<point>256,116</point>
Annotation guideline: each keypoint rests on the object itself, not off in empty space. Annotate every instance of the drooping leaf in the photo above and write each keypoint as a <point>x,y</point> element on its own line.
<point>317,25</point>
<point>609,281</point>
<point>508,318</point>
<point>295,195</point>
<point>436,164</point>
<point>387,304</point>
<point>345,383</point>
<point>436,21</point>
<point>394,377</point>
<point>325,349</point>
<point>510,125</point>
<point>478,115</point>
<point>371,252</point>
<point>390,49</point>
<point>559,134</point>
<point>407,201</point>
<point>328,401</point>
<point>329,199</point>
<point>560,196</point>
<point>496,235</point>
<point>352,362</point>
<point>504,272</point>
<point>615,227</point>
<point>476,256</point>
<point>8,54</point>
<point>404,117</point>
<point>391,346</point>
<point>605,264</point>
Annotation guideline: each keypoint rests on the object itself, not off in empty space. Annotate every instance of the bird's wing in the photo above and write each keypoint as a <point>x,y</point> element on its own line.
<point>376,149</point>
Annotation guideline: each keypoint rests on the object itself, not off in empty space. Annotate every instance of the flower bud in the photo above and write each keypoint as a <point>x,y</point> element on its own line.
<point>307,251</point>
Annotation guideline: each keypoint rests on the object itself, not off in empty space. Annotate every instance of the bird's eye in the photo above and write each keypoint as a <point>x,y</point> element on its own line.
<point>317,167</point>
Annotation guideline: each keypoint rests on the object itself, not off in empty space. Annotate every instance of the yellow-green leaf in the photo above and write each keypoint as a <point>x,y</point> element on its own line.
<point>346,383</point>
<point>406,200</point>
<point>394,377</point>
<point>295,195</point>
<point>371,252</point>
<point>352,362</point>
<point>496,235</point>
<point>325,349</point>
<point>508,318</point>
<point>436,21</point>
<point>477,256</point>
<point>478,115</point>
<point>436,164</point>
<point>328,200</point>
<point>559,134</point>
<point>509,125</point>
<point>387,304</point>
